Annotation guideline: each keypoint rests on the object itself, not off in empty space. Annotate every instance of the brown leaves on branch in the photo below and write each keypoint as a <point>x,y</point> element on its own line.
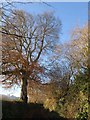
<point>24,38</point>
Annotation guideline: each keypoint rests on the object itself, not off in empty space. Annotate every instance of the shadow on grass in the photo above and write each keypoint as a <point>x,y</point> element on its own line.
<point>18,110</point>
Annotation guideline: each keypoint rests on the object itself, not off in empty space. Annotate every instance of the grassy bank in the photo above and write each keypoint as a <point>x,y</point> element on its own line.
<point>13,109</point>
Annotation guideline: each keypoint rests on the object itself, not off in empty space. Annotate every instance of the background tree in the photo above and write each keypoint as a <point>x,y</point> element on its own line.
<point>24,39</point>
<point>76,54</point>
<point>77,49</point>
<point>71,78</point>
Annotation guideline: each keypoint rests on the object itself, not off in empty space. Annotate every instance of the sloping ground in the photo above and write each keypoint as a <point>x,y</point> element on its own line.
<point>19,110</point>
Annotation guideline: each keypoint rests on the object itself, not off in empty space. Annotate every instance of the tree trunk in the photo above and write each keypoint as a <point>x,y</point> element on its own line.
<point>24,89</point>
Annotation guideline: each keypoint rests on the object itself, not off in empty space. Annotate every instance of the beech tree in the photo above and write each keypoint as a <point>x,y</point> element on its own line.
<point>25,38</point>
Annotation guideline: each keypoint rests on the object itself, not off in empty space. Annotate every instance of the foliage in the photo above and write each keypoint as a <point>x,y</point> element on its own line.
<point>50,104</point>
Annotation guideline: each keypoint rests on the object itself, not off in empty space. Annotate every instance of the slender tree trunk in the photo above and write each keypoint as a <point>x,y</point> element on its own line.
<point>24,88</point>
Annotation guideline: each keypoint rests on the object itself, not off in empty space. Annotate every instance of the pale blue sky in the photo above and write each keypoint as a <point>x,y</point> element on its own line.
<point>70,14</point>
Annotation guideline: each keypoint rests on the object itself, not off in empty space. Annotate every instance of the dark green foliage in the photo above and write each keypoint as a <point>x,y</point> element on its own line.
<point>74,104</point>
<point>82,116</point>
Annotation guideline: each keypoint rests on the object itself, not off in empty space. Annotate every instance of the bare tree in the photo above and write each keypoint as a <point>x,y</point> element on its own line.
<point>24,39</point>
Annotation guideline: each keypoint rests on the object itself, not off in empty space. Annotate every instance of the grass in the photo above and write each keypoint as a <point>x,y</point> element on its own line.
<point>20,110</point>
